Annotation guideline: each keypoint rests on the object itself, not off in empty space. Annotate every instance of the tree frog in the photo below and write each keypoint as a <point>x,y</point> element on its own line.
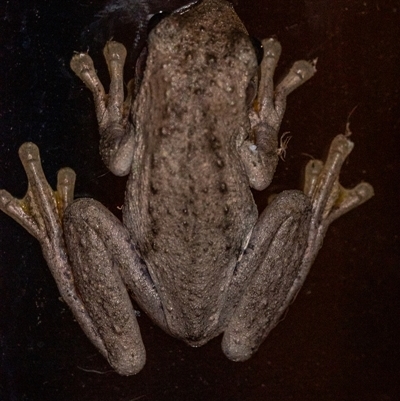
<point>194,133</point>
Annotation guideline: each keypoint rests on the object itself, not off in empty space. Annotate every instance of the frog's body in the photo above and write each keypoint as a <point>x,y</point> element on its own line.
<point>190,208</point>
<point>191,249</point>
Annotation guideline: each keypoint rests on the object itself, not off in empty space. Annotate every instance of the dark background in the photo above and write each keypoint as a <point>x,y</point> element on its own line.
<point>340,338</point>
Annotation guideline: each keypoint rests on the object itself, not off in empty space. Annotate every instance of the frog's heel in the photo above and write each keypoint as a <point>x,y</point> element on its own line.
<point>112,110</point>
<point>40,213</point>
<point>104,260</point>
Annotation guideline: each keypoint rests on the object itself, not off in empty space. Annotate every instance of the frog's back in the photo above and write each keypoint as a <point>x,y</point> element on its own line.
<point>191,210</point>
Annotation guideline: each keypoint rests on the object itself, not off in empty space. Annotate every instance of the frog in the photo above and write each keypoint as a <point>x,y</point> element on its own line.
<point>194,134</point>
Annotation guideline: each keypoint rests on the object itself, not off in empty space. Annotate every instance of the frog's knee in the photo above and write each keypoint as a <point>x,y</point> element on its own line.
<point>81,207</point>
<point>237,349</point>
<point>87,210</point>
<point>127,361</point>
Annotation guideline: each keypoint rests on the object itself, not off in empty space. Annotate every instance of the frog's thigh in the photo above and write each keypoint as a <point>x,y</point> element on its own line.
<point>274,256</point>
<point>94,237</point>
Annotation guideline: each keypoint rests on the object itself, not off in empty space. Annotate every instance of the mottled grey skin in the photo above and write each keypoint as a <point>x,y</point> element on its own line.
<point>194,135</point>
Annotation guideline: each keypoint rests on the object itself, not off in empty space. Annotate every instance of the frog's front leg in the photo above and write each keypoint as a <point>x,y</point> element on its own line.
<point>90,255</point>
<point>282,248</point>
<point>260,153</point>
<point>112,111</point>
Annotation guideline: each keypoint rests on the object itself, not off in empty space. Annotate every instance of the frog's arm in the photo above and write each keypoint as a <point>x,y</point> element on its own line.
<point>260,154</point>
<point>112,111</point>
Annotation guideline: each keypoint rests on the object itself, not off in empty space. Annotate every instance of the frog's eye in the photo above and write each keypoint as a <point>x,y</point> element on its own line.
<point>258,48</point>
<point>251,91</point>
<point>141,64</point>
<point>155,20</point>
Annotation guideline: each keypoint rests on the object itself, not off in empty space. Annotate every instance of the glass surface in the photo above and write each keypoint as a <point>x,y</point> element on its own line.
<point>340,338</point>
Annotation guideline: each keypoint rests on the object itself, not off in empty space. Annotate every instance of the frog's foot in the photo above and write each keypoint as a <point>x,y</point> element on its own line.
<point>329,199</point>
<point>271,100</point>
<point>40,213</point>
<point>112,110</point>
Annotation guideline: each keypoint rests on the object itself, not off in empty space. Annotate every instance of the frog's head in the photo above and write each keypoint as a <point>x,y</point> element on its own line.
<point>210,43</point>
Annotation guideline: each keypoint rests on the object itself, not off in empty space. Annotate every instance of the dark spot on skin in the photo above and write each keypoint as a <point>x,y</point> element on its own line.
<point>227,225</point>
<point>188,55</point>
<point>211,59</point>
<point>153,189</point>
<point>223,187</point>
<point>226,209</point>
<point>67,275</point>
<point>250,247</point>
<point>214,142</point>
<point>199,91</point>
<point>163,131</point>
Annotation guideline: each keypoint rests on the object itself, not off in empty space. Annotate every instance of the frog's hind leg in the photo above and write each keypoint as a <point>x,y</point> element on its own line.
<point>104,262</point>
<point>265,274</point>
<point>282,248</point>
<point>79,258</point>
<point>329,199</point>
<point>40,212</point>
